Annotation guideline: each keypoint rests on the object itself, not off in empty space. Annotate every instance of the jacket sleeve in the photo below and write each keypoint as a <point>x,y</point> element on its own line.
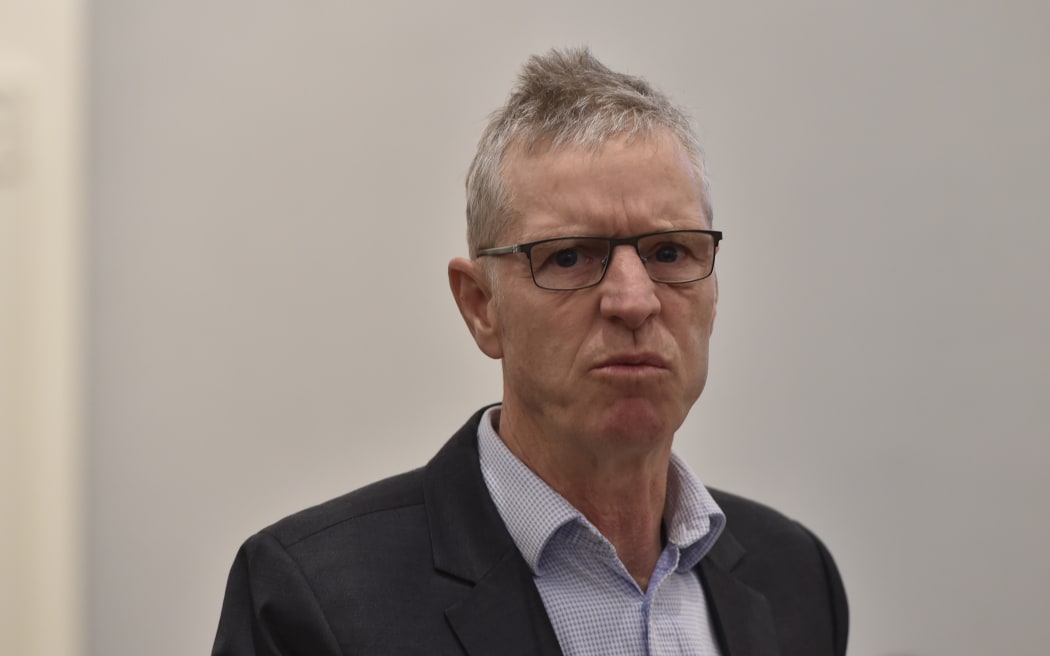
<point>269,608</point>
<point>836,597</point>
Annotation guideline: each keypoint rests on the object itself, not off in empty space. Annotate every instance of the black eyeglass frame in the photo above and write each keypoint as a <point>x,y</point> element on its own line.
<point>613,242</point>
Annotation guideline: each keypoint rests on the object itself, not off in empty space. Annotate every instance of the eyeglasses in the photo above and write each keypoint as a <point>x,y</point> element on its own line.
<point>568,263</point>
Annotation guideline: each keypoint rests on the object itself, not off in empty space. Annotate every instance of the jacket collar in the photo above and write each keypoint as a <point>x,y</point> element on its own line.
<point>503,613</point>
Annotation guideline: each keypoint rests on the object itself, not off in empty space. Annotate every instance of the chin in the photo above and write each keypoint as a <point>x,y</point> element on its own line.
<point>639,421</point>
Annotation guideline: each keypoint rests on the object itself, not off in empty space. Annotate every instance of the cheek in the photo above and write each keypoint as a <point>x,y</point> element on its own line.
<point>694,341</point>
<point>693,317</point>
<point>706,309</point>
<point>528,340</point>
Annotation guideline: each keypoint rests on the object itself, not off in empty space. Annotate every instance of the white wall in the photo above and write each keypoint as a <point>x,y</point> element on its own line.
<point>277,187</point>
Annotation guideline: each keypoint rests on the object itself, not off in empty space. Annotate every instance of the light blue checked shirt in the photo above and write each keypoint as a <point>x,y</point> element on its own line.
<point>595,606</point>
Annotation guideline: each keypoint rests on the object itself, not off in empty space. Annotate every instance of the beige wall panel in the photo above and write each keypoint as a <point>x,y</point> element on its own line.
<point>40,331</point>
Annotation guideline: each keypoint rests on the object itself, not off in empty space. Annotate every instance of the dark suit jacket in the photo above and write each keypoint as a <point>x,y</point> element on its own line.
<point>422,564</point>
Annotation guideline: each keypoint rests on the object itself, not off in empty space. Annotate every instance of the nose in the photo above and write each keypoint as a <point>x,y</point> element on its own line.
<point>628,293</point>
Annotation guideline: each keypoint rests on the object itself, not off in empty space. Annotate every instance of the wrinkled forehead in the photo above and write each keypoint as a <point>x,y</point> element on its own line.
<point>531,171</point>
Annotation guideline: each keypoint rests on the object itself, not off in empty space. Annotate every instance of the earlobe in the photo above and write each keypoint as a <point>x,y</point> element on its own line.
<point>473,293</point>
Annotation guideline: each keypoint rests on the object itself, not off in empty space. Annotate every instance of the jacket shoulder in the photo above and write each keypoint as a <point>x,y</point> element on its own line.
<point>747,507</point>
<point>755,524</point>
<point>393,494</point>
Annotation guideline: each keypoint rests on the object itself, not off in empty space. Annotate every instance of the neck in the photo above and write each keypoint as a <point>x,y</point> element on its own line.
<point>621,493</point>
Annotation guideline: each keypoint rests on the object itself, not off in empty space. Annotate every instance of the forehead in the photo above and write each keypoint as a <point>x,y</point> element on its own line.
<point>627,185</point>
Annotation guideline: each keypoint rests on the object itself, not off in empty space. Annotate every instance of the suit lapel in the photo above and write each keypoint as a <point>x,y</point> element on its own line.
<point>502,614</point>
<point>742,617</point>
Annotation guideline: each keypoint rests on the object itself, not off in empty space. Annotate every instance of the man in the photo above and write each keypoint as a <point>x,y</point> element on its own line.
<point>559,521</point>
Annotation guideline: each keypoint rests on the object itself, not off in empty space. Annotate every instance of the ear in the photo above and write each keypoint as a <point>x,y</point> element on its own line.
<point>473,293</point>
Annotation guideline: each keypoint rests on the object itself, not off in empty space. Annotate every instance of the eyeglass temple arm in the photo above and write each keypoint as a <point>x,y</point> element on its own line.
<point>502,250</point>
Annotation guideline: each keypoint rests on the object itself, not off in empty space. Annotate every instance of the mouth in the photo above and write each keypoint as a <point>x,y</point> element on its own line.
<point>633,362</point>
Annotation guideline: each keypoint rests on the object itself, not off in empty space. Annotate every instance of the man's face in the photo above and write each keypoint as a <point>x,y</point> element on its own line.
<point>622,362</point>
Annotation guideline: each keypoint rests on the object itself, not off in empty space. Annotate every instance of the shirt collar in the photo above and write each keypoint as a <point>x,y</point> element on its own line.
<point>533,512</point>
<point>692,519</point>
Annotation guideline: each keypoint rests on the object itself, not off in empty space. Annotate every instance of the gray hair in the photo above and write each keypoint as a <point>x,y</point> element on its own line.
<point>566,98</point>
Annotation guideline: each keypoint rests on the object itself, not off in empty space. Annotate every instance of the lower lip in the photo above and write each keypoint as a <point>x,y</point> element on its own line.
<point>631,370</point>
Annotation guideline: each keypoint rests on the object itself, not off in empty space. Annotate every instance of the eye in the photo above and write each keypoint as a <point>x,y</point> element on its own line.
<point>567,257</point>
<point>666,253</point>
<point>571,255</point>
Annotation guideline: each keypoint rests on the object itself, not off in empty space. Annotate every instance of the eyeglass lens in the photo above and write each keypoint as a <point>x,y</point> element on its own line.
<point>577,262</point>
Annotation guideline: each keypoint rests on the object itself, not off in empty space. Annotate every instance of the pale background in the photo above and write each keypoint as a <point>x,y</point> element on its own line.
<point>245,312</point>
